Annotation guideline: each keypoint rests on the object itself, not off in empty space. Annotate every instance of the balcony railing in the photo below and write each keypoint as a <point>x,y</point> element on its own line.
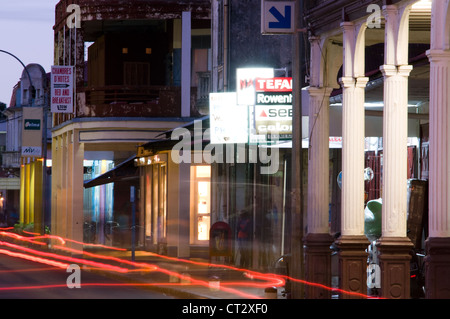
<point>11,159</point>
<point>128,101</point>
<point>122,94</point>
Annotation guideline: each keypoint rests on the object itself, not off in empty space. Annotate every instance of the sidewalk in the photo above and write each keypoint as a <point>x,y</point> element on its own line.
<point>190,279</point>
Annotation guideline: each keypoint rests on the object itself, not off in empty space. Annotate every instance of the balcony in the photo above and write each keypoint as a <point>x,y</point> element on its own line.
<point>129,101</point>
<point>11,159</point>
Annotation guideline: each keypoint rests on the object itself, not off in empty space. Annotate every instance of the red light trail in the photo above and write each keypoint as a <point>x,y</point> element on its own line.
<point>265,280</point>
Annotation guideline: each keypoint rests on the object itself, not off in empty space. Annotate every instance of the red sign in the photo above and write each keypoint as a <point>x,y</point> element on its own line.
<point>274,84</point>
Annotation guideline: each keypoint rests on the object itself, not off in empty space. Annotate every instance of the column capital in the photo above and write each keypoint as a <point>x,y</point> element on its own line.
<point>438,55</point>
<point>345,25</point>
<point>319,91</point>
<point>348,81</point>
<point>361,81</point>
<point>390,8</point>
<point>391,70</point>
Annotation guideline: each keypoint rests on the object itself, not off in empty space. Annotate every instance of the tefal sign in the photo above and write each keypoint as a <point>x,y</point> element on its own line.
<point>274,85</point>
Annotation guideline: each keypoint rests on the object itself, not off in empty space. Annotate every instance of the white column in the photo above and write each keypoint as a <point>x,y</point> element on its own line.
<point>318,160</point>
<point>62,202</point>
<point>56,163</point>
<point>353,117</point>
<point>77,189</point>
<point>439,178</point>
<point>184,204</point>
<point>395,135</point>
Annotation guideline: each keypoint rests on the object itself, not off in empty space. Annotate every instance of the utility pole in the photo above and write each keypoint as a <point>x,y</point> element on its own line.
<point>296,266</point>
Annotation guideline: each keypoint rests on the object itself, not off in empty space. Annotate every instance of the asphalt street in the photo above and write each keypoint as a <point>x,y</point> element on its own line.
<point>23,279</point>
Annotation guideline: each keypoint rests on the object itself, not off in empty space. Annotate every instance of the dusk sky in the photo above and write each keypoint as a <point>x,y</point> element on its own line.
<point>26,30</point>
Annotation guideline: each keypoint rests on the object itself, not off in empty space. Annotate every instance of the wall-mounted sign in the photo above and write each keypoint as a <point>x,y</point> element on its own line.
<point>277,17</point>
<point>228,121</point>
<point>246,86</point>
<point>62,99</point>
<point>30,124</point>
<point>272,114</point>
<point>32,131</point>
<point>273,122</point>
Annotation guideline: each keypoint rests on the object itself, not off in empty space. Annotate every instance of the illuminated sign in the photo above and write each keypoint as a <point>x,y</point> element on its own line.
<point>274,85</point>
<point>246,83</point>
<point>274,121</point>
<point>273,98</point>
<point>272,114</point>
<point>228,121</point>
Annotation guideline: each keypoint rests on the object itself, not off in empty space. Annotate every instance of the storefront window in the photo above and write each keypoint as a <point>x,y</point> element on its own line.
<point>154,202</point>
<point>98,204</point>
<point>202,202</point>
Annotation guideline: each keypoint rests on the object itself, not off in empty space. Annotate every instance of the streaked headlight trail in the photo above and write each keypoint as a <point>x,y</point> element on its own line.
<point>62,261</point>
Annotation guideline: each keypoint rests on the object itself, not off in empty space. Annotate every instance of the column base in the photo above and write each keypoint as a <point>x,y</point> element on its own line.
<point>394,259</point>
<point>318,265</point>
<point>437,265</point>
<point>353,265</point>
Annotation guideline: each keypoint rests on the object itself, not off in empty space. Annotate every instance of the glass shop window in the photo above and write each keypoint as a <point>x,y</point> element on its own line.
<point>201,203</point>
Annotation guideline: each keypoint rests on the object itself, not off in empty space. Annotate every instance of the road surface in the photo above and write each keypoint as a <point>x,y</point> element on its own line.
<point>23,279</point>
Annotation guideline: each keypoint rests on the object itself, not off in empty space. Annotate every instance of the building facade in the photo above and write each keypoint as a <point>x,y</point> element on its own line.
<point>133,81</point>
<point>29,175</point>
<point>239,47</point>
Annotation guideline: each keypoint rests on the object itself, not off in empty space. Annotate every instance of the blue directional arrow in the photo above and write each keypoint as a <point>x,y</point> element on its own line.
<point>284,22</point>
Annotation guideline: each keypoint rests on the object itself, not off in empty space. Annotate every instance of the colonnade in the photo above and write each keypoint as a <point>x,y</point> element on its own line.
<point>394,245</point>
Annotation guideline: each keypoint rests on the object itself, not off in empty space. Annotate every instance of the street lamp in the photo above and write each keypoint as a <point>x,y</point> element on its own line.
<point>32,89</point>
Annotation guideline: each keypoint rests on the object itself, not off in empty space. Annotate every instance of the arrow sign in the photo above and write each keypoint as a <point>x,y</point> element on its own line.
<point>61,86</point>
<point>277,17</point>
<point>283,22</point>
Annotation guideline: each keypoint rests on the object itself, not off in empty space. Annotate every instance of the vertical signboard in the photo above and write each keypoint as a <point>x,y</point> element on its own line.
<point>272,115</point>
<point>228,121</point>
<point>32,132</point>
<point>62,89</point>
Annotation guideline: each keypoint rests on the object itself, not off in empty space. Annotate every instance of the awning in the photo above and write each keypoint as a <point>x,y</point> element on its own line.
<point>167,143</point>
<point>125,171</point>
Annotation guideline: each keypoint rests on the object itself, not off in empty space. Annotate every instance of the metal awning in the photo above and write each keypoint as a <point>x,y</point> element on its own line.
<point>125,171</point>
